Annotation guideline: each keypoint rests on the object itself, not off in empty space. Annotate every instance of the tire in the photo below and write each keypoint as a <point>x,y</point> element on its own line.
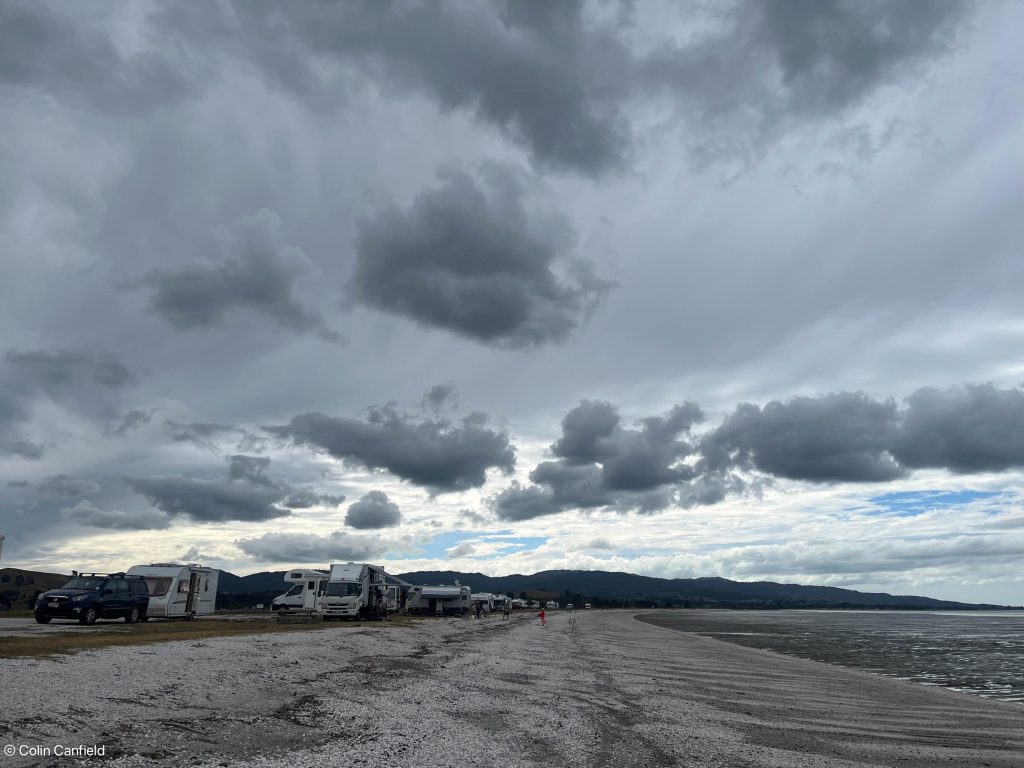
<point>143,617</point>
<point>132,616</point>
<point>40,619</point>
<point>89,615</point>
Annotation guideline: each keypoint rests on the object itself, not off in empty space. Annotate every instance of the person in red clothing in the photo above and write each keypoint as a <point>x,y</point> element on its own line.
<point>541,614</point>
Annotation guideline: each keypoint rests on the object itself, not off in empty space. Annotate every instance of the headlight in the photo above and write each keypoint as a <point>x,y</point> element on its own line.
<point>78,598</point>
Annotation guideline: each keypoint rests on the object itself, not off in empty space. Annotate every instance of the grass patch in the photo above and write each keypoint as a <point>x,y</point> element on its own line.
<point>53,643</point>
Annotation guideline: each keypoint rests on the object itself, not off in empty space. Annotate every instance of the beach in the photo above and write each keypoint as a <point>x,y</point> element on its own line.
<point>602,689</point>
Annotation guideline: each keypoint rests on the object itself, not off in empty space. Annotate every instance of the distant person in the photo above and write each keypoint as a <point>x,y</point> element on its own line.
<point>506,611</point>
<point>479,608</point>
<point>543,621</point>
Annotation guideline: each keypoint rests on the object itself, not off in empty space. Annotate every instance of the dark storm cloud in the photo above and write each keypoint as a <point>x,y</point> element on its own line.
<point>64,487</point>
<point>471,257</point>
<point>312,548</point>
<point>260,276</point>
<point>431,452</point>
<point>602,465</point>
<point>564,81</point>
<point>85,513</point>
<point>973,428</point>
<point>373,511</point>
<point>26,449</point>
<point>206,501</point>
<point>840,437</point>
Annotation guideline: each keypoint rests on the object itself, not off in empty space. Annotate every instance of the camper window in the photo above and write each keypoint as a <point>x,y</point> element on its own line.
<point>157,587</point>
<point>182,586</point>
<point>296,590</point>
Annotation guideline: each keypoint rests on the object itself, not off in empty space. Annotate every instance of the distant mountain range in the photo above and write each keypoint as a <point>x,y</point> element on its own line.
<point>603,587</point>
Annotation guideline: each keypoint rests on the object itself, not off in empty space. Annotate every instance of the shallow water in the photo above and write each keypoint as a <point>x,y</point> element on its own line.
<point>972,651</point>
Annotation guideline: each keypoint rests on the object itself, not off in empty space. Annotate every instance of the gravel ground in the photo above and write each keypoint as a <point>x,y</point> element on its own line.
<point>603,691</point>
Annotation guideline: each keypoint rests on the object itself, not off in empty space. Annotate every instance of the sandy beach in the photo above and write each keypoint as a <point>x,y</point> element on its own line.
<point>604,690</point>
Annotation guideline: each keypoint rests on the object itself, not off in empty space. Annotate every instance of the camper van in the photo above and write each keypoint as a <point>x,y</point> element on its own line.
<point>358,591</point>
<point>439,600</point>
<point>551,605</point>
<point>178,591</point>
<point>486,600</point>
<point>305,594</point>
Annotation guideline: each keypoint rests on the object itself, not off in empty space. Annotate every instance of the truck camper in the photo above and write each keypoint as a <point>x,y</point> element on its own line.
<point>305,594</point>
<point>359,591</point>
<point>178,591</point>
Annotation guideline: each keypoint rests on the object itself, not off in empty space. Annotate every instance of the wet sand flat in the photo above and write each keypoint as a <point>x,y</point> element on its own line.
<point>605,690</point>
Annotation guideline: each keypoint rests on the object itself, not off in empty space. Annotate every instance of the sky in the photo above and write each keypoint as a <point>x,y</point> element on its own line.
<point>678,289</point>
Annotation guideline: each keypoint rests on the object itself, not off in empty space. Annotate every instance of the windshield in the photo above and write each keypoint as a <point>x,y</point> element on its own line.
<point>342,589</point>
<point>84,583</point>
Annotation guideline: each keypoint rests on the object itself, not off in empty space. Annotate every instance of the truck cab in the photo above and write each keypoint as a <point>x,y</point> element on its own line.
<point>358,591</point>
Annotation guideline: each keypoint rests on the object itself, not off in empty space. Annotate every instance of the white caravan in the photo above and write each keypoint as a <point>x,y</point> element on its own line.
<point>358,591</point>
<point>305,594</point>
<point>486,600</point>
<point>438,600</point>
<point>178,591</point>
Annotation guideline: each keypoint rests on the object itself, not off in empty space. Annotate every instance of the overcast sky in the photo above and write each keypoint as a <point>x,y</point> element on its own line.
<point>702,289</point>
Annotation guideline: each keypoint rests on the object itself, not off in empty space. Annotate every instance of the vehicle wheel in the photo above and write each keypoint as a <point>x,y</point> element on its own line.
<point>143,617</point>
<point>42,619</point>
<point>89,615</point>
<point>133,615</point>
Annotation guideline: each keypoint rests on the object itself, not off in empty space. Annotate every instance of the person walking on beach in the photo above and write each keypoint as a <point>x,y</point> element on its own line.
<point>543,623</point>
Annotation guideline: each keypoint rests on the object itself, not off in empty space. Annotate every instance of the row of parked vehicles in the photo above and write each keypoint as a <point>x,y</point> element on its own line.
<point>160,590</point>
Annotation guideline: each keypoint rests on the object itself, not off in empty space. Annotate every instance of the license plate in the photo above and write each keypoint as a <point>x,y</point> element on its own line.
<point>53,605</point>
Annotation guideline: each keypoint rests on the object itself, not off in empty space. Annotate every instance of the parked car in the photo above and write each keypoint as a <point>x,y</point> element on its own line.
<point>95,596</point>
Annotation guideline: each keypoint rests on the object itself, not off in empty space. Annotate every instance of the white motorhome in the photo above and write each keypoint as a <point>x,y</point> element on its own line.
<point>438,600</point>
<point>305,594</point>
<point>551,605</point>
<point>178,591</point>
<point>358,591</point>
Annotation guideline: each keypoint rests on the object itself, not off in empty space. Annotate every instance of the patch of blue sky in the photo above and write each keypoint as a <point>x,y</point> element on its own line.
<point>439,545</point>
<point>913,503</point>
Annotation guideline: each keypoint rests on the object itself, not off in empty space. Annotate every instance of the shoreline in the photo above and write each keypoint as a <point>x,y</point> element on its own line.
<point>606,689</point>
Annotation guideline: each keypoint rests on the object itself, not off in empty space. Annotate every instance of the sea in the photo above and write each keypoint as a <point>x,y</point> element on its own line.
<point>976,652</point>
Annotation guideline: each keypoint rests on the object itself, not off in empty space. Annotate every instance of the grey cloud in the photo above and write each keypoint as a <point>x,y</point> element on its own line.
<point>373,511</point>
<point>26,449</point>
<point>53,370</point>
<point>197,433</point>
<point>849,437</point>
<point>207,501</point>
<point>564,80</point>
<point>132,420</point>
<point>598,543</point>
<point>474,518</point>
<point>260,276</point>
<point>440,396</point>
<point>312,548</point>
<point>462,549</point>
<point>434,453</point>
<point>68,51</point>
<point>64,487</point>
<point>304,498</point>
<point>471,257</point>
<point>250,469</point>
<point>17,483</point>
<point>840,437</point>
<point>972,428</point>
<point>85,513</point>
<point>603,465</point>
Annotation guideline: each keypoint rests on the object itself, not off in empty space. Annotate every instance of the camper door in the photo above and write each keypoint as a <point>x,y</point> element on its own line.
<point>192,603</point>
<point>309,595</point>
